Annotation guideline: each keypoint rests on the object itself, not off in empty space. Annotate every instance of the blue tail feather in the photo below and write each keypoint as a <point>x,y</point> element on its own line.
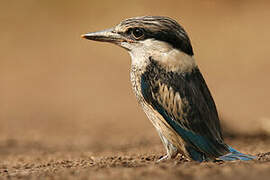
<point>236,155</point>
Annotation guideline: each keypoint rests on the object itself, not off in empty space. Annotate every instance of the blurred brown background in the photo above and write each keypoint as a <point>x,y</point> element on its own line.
<point>60,89</point>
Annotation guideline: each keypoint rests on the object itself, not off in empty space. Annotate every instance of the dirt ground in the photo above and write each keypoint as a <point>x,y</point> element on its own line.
<point>28,160</point>
<point>67,110</point>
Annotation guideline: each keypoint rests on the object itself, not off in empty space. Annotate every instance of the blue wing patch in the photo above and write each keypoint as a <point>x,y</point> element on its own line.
<point>198,125</point>
<point>200,147</point>
<point>194,140</point>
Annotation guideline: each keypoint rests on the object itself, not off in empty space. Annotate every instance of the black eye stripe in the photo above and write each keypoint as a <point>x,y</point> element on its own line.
<point>158,28</point>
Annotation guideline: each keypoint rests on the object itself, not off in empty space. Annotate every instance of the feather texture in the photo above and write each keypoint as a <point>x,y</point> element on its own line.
<point>170,87</point>
<point>186,104</point>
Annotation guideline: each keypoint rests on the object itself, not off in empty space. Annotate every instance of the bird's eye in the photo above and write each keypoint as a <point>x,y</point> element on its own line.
<point>137,33</point>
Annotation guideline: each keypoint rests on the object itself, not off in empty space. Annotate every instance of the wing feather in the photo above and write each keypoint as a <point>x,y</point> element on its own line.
<point>185,102</point>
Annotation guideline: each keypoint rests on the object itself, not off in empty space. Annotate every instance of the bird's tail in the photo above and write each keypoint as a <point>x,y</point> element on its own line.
<point>236,155</point>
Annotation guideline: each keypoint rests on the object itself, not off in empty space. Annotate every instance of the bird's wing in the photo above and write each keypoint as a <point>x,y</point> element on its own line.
<point>185,102</point>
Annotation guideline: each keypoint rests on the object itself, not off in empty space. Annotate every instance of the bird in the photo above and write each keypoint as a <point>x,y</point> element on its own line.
<point>170,88</point>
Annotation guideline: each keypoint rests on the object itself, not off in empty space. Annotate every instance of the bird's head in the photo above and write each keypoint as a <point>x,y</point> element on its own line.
<point>140,32</point>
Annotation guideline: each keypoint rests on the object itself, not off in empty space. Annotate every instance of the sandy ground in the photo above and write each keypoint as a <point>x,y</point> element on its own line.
<point>26,160</point>
<point>67,110</point>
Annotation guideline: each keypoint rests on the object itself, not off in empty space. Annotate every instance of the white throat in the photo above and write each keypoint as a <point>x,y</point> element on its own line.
<point>170,58</point>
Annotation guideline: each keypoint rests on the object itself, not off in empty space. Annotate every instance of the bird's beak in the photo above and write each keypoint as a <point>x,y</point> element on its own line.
<point>108,35</point>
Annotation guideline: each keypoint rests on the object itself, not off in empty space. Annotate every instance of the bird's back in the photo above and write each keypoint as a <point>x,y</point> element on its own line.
<point>185,103</point>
